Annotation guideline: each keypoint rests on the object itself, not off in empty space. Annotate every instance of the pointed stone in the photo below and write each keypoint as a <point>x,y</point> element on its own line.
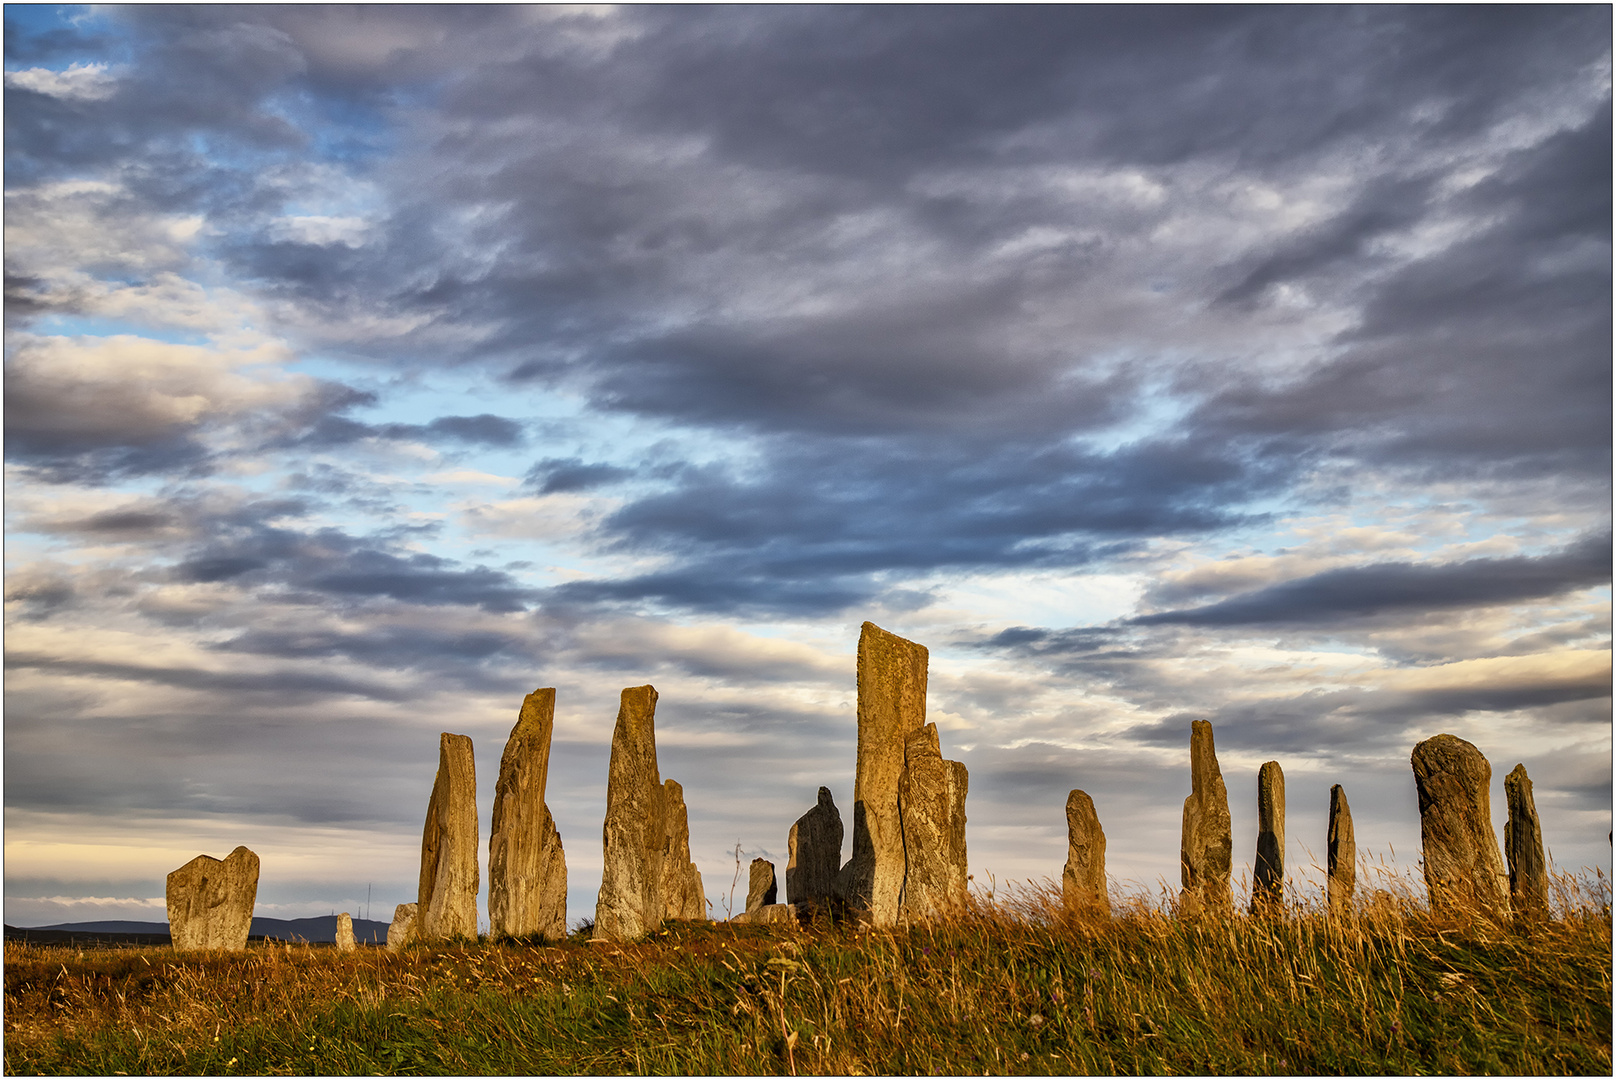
<point>891,706</point>
<point>1268,879</point>
<point>210,901</point>
<point>402,929</point>
<point>760,886</point>
<point>931,801</point>
<point>1463,870</point>
<point>1083,885</point>
<point>447,897</point>
<point>1342,861</point>
<point>814,848</point>
<point>681,881</point>
<point>631,902</point>
<point>345,938</point>
<point>1523,848</point>
<point>1207,848</point>
<point>527,869</point>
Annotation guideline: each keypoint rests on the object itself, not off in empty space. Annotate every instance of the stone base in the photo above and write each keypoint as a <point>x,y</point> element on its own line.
<point>784,914</point>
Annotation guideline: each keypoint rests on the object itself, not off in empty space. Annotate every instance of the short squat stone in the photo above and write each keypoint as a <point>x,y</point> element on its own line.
<point>210,901</point>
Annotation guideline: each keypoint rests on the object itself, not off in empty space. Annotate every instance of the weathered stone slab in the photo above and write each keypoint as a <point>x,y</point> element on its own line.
<point>447,897</point>
<point>777,914</point>
<point>402,929</point>
<point>760,887</point>
<point>1207,848</point>
<point>1268,877</point>
<point>1083,885</point>
<point>1342,861</point>
<point>345,938</point>
<point>681,881</point>
<point>931,798</point>
<point>1523,848</point>
<point>210,901</point>
<point>815,853</point>
<point>891,706</point>
<point>1463,870</point>
<point>527,869</point>
<point>634,836</point>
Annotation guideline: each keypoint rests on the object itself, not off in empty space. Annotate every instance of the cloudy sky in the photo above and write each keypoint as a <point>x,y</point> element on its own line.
<point>368,368</point>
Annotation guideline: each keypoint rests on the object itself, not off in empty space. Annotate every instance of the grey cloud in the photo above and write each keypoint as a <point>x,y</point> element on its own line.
<point>573,474</point>
<point>484,429</point>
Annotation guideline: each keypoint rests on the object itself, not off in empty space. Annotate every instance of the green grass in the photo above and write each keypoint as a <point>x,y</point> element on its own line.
<point>1010,988</point>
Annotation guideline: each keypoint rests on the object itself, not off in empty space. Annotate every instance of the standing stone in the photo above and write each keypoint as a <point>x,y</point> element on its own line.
<point>1523,847</point>
<point>931,800</point>
<point>1268,885</point>
<point>815,853</point>
<point>681,881</point>
<point>1462,864</point>
<point>1206,851</point>
<point>1083,885</point>
<point>402,928</point>
<point>345,941</point>
<point>891,706</point>
<point>527,870</point>
<point>210,901</point>
<point>447,900</point>
<point>1342,860</point>
<point>634,835</point>
<point>760,887</point>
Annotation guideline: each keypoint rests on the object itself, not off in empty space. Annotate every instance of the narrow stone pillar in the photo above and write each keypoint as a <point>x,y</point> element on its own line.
<point>1523,847</point>
<point>891,706</point>
<point>1342,861</point>
<point>210,901</point>
<point>1463,870</point>
<point>345,938</point>
<point>527,869</point>
<point>760,887</point>
<point>631,903</point>
<point>1083,884</point>
<point>1207,848</point>
<point>681,881</point>
<point>447,897</point>
<point>402,929</point>
<point>1268,878</point>
<point>931,801</point>
<point>814,848</point>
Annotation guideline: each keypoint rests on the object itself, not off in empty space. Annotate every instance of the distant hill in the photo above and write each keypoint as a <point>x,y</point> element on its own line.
<point>319,929</point>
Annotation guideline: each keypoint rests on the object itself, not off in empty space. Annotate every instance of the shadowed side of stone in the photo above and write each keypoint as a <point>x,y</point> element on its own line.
<point>1083,885</point>
<point>634,834</point>
<point>760,886</point>
<point>1462,864</point>
<point>402,929</point>
<point>931,798</point>
<point>1342,860</point>
<point>345,938</point>
<point>1207,848</point>
<point>891,706</point>
<point>210,901</point>
<point>681,881</point>
<point>814,848</point>
<point>527,869</point>
<point>1523,848</point>
<point>1268,878</point>
<point>447,896</point>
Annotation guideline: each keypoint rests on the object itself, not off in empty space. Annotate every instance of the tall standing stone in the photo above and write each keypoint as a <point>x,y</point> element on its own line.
<point>931,800</point>
<point>402,929</point>
<point>634,836</point>
<point>447,897</point>
<point>1207,848</point>
<point>527,869</point>
<point>681,881</point>
<point>1268,878</point>
<point>345,938</point>
<point>1083,885</point>
<point>761,889</point>
<point>814,848</point>
<point>1523,848</point>
<point>891,707</point>
<point>210,901</point>
<point>1462,865</point>
<point>1342,859</point>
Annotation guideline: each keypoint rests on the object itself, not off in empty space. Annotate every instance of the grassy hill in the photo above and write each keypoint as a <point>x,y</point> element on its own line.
<point>1003,988</point>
